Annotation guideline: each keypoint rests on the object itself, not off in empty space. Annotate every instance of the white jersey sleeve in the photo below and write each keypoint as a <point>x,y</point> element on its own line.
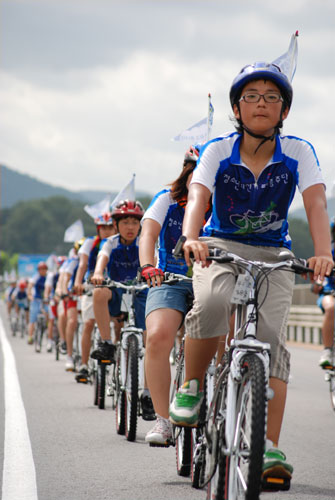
<point>108,246</point>
<point>159,207</point>
<point>309,172</point>
<point>86,247</point>
<point>49,279</point>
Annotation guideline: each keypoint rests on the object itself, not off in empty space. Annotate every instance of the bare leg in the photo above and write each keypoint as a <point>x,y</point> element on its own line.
<point>86,341</point>
<point>198,355</point>
<point>276,409</point>
<point>71,325</point>
<point>162,326</point>
<point>101,296</point>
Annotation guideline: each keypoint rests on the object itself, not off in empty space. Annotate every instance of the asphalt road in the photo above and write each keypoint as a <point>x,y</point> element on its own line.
<point>77,454</point>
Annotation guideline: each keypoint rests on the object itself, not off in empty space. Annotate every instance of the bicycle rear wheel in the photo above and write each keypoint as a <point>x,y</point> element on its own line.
<point>38,336</point>
<point>131,393</point>
<point>241,476</point>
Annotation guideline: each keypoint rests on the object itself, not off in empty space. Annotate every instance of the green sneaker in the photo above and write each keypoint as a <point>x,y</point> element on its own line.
<point>184,409</point>
<point>275,465</point>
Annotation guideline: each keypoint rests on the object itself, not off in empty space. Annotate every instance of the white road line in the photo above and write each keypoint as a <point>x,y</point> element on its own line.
<point>19,476</point>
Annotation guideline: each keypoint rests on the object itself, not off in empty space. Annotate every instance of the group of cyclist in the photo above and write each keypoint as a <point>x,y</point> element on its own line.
<point>233,193</point>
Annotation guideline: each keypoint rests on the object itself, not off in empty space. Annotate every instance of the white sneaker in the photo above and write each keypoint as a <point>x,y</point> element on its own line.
<point>50,344</point>
<point>161,433</point>
<point>326,357</point>
<point>69,365</point>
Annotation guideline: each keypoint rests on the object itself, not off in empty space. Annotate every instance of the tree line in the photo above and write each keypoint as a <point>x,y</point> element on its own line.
<point>38,226</point>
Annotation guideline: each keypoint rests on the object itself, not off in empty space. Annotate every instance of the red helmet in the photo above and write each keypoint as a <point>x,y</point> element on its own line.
<point>22,284</point>
<point>192,154</point>
<point>42,265</point>
<point>128,208</point>
<point>105,219</point>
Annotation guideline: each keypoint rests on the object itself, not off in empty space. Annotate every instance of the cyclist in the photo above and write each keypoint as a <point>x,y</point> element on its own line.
<point>120,254</point>
<point>87,260</point>
<point>70,302</point>
<point>20,298</point>
<point>166,305</point>
<point>35,294</point>
<point>326,302</point>
<point>8,295</point>
<point>51,297</point>
<point>252,174</point>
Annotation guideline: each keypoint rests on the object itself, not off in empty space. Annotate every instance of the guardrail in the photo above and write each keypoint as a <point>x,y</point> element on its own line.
<point>305,324</point>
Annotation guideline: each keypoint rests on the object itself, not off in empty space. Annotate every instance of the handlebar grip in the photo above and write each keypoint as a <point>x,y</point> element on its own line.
<point>178,250</point>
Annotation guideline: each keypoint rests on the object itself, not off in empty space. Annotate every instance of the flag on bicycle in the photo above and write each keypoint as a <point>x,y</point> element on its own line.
<point>98,208</point>
<point>127,193</point>
<point>74,232</point>
<point>288,61</point>
<point>200,131</point>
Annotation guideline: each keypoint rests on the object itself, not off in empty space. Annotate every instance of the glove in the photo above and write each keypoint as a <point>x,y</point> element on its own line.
<point>148,271</point>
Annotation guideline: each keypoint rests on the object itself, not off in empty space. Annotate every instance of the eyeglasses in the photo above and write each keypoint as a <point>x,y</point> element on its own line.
<point>269,97</point>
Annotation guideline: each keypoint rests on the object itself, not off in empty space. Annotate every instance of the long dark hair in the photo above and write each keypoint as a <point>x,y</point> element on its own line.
<point>178,187</point>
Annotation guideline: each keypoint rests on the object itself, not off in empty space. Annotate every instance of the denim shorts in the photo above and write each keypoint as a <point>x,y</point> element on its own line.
<point>114,305</point>
<point>34,309</point>
<point>178,297</point>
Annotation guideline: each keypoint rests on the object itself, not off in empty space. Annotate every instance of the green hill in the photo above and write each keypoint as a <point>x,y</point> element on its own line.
<point>16,187</point>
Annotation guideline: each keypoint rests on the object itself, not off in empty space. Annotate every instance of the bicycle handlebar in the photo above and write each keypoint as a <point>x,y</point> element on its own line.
<point>109,283</point>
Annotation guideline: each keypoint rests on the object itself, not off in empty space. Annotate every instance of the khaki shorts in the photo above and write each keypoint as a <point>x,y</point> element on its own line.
<point>87,311</point>
<point>213,287</point>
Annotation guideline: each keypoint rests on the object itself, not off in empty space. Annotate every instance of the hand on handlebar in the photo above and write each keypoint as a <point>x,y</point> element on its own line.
<point>198,250</point>
<point>322,266</point>
<point>97,279</point>
<point>152,275</point>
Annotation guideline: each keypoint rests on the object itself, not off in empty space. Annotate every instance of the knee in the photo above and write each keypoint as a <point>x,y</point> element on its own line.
<point>158,340</point>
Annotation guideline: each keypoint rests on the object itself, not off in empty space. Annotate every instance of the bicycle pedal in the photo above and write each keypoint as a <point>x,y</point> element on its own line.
<point>275,484</point>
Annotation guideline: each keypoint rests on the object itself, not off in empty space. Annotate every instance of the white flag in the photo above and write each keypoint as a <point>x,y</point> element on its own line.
<point>127,193</point>
<point>196,133</point>
<point>288,61</point>
<point>99,208</point>
<point>200,131</point>
<point>74,232</point>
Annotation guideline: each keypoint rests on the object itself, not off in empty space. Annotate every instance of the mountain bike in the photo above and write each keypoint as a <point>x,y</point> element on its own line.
<point>126,378</point>
<point>230,454</point>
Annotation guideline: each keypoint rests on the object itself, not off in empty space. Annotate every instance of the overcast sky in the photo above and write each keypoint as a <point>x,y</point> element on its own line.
<point>92,91</point>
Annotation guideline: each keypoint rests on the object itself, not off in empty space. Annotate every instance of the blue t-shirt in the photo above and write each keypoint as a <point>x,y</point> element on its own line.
<point>170,215</point>
<point>248,209</point>
<point>38,283</point>
<point>123,259</point>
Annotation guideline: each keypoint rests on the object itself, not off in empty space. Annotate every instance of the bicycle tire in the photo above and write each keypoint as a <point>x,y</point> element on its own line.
<point>251,408</point>
<point>197,469</point>
<point>184,447</point>
<point>131,392</point>
<point>94,379</point>
<point>101,385</point>
<point>22,323</point>
<point>332,389</point>
<point>120,404</point>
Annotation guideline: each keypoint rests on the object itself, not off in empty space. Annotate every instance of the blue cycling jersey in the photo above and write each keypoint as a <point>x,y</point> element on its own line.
<point>250,209</point>
<point>123,259</point>
<point>38,283</point>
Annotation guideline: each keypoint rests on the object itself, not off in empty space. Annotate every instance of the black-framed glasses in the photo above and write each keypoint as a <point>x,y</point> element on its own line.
<point>269,97</point>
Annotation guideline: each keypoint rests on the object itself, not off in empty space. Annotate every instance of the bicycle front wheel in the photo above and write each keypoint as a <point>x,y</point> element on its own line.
<point>120,397</point>
<point>332,389</point>
<point>244,467</point>
<point>101,385</point>
<point>132,388</point>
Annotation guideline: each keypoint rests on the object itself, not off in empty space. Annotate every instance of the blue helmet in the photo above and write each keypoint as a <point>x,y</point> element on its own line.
<point>260,71</point>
